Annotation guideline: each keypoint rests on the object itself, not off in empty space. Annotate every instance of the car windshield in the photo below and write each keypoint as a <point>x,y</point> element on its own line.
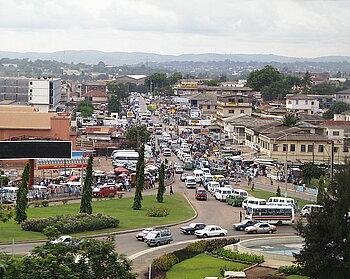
<point>192,225</point>
<point>146,231</point>
<point>152,235</point>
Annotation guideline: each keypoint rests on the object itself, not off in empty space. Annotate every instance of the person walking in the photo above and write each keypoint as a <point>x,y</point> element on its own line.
<point>240,216</point>
<point>171,190</point>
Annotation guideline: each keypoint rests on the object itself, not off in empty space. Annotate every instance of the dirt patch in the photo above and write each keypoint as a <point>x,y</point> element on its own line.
<point>262,273</point>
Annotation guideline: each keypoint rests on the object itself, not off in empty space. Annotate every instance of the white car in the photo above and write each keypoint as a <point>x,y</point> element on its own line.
<point>211,230</point>
<point>66,239</point>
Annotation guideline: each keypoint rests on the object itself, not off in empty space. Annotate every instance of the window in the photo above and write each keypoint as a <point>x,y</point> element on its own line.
<point>305,102</point>
<point>335,133</point>
<point>285,147</point>
<point>320,148</point>
<point>297,102</point>
<point>231,100</point>
<point>240,100</point>
<point>275,147</point>
<point>242,111</point>
<point>208,107</point>
<point>336,149</point>
<point>290,102</point>
<point>345,149</point>
<point>231,111</point>
<point>310,148</point>
<point>292,147</point>
<point>303,148</point>
<point>312,103</point>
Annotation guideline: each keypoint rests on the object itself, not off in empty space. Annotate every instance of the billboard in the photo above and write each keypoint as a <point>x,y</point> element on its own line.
<point>35,149</point>
<point>79,160</point>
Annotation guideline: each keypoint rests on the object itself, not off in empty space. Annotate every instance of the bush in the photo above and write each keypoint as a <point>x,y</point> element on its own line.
<point>45,203</point>
<point>157,211</point>
<point>291,270</point>
<point>199,246</point>
<point>65,201</point>
<point>165,262</point>
<point>51,232</point>
<point>72,223</point>
<point>229,268</point>
<point>220,243</point>
<point>37,204</point>
<point>111,196</point>
<point>250,258</point>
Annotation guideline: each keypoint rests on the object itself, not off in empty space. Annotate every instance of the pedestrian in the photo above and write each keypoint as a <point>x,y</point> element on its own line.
<point>171,190</point>
<point>252,186</point>
<point>240,216</point>
<point>271,181</point>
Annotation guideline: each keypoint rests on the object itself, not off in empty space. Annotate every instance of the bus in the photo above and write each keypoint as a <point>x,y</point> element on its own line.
<point>124,157</point>
<point>272,214</point>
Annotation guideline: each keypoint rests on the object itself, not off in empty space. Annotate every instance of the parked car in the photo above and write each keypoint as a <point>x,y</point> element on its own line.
<point>261,228</point>
<point>190,182</point>
<point>66,239</point>
<point>104,191</point>
<point>211,230</point>
<point>158,237</point>
<point>191,228</point>
<point>245,223</point>
<point>141,236</point>
<point>183,176</point>
<point>201,194</point>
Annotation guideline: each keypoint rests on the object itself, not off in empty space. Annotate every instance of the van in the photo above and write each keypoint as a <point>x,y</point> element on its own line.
<point>235,200</point>
<point>206,171</point>
<point>212,186</point>
<point>280,201</point>
<point>167,152</point>
<point>201,194</point>
<point>190,182</point>
<point>158,237</point>
<point>104,191</point>
<point>240,192</point>
<point>207,178</point>
<point>309,208</point>
<point>249,201</point>
<point>222,192</point>
<point>198,174</point>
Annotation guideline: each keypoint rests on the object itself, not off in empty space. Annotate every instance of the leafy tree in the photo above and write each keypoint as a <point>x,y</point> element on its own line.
<point>113,104</point>
<point>86,198</point>
<point>310,171</point>
<point>6,213</point>
<point>323,88</point>
<point>175,77</point>
<point>321,190</point>
<point>327,233</point>
<point>140,179</point>
<point>51,232</point>
<point>86,108</point>
<point>22,201</point>
<point>212,82</point>
<point>292,81</point>
<point>278,192</point>
<point>258,79</point>
<point>336,108</point>
<point>277,90</point>
<point>161,185</point>
<point>306,81</point>
<point>159,80</point>
<point>290,120</point>
<point>138,133</point>
<point>119,89</point>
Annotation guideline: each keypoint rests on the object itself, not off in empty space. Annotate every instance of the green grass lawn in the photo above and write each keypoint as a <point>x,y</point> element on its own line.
<point>120,208</point>
<point>262,194</point>
<point>201,266</point>
<point>297,277</point>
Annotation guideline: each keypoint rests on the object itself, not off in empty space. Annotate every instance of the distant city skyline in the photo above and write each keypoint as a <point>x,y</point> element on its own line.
<point>297,28</point>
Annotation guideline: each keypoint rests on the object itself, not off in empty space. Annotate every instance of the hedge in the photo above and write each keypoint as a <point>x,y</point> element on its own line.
<point>72,223</point>
<point>291,270</point>
<point>250,258</point>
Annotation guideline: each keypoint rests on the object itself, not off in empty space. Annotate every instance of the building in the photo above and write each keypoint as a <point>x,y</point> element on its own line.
<point>91,85</point>
<point>96,97</point>
<point>301,103</point>
<point>134,79</point>
<point>44,93</point>
<point>233,105</point>
<point>14,88</point>
<point>239,83</point>
<point>193,88</point>
<point>207,103</point>
<point>343,96</point>
<point>344,116</point>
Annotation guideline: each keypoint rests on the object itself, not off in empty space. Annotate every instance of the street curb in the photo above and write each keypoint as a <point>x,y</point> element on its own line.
<point>118,232</point>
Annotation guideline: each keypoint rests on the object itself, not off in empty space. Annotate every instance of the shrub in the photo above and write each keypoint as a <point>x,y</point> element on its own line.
<point>37,204</point>
<point>220,243</point>
<point>65,201</point>
<point>291,270</point>
<point>120,195</point>
<point>165,262</point>
<point>238,256</point>
<point>229,268</point>
<point>199,246</point>
<point>72,223</point>
<point>111,196</point>
<point>157,211</point>
<point>51,232</point>
<point>45,203</point>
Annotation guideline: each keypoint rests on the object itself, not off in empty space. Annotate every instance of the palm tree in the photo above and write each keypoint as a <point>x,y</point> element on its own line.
<point>306,81</point>
<point>290,120</point>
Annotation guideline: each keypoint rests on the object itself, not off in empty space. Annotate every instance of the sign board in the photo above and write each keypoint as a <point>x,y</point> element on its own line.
<point>194,114</point>
<point>35,149</point>
<point>54,164</point>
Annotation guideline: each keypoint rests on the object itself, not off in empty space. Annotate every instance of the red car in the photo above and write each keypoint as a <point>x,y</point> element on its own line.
<point>141,236</point>
<point>201,194</point>
<point>104,191</point>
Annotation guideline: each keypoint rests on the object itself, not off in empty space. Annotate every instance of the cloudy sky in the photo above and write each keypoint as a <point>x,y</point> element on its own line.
<point>302,28</point>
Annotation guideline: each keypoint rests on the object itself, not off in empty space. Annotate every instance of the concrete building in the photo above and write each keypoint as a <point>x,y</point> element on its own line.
<point>96,97</point>
<point>193,88</point>
<point>232,105</point>
<point>343,96</point>
<point>206,103</point>
<point>344,116</point>
<point>302,103</point>
<point>134,79</point>
<point>14,88</point>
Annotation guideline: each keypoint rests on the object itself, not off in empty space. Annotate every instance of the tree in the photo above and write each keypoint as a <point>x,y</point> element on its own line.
<point>277,90</point>
<point>86,108</point>
<point>161,185</point>
<point>325,253</point>
<point>323,88</point>
<point>310,171</point>
<point>6,213</point>
<point>278,192</point>
<point>51,232</point>
<point>113,104</point>
<point>138,133</point>
<point>140,179</point>
<point>290,120</point>
<point>119,89</point>
<point>175,77</point>
<point>89,258</point>
<point>321,190</point>
<point>86,198</point>
<point>306,81</point>
<point>212,82</point>
<point>159,80</point>
<point>22,201</point>
<point>265,77</point>
<point>336,108</point>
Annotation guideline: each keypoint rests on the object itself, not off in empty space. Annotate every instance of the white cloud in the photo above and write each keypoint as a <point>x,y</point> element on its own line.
<point>289,27</point>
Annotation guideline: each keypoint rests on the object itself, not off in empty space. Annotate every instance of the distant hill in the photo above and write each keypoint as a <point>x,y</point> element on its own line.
<point>130,58</point>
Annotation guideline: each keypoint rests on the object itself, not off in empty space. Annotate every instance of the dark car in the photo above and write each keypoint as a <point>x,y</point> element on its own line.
<point>191,228</point>
<point>244,224</point>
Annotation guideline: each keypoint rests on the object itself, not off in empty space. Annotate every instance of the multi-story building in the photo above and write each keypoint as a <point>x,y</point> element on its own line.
<point>302,103</point>
<point>233,105</point>
<point>14,89</point>
<point>206,103</point>
<point>193,88</point>
<point>91,85</point>
<point>343,96</point>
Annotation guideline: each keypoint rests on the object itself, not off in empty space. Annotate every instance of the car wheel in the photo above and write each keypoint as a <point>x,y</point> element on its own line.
<point>158,243</point>
<point>241,228</point>
<point>168,241</point>
<point>205,235</point>
<point>222,234</point>
<point>270,232</point>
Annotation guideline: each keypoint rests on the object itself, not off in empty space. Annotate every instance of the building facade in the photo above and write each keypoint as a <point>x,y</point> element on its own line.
<point>44,93</point>
<point>302,103</point>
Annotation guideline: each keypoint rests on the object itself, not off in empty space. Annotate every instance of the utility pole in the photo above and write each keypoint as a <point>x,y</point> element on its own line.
<point>332,160</point>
